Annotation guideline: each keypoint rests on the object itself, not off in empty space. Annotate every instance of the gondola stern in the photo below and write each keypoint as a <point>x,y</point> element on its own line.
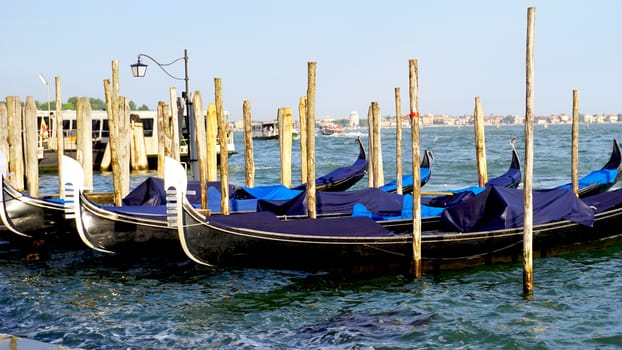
<point>175,184</point>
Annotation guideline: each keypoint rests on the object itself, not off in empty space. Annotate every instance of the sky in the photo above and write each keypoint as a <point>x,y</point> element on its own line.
<point>261,49</point>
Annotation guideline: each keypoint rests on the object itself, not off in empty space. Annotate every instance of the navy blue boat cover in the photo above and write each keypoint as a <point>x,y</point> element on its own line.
<point>267,222</point>
<point>151,192</point>
<point>407,211</point>
<point>358,168</point>
<point>500,208</point>
<point>407,181</point>
<point>604,201</point>
<point>510,177</point>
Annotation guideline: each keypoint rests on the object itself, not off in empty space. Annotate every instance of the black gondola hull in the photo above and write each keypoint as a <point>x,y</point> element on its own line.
<point>218,245</point>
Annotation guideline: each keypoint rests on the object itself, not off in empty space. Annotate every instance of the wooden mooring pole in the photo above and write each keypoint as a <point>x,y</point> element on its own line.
<point>302,115</point>
<point>200,138</point>
<point>371,163</point>
<point>379,169</point>
<point>528,185</point>
<point>162,139</point>
<point>30,146</point>
<point>375,111</point>
<point>398,140</point>
<point>138,147</point>
<point>224,154</point>
<point>60,140</point>
<point>414,126</point>
<point>16,150</point>
<point>212,134</point>
<point>285,143</point>
<point>84,146</point>
<point>174,124</point>
<point>4,131</point>
<point>480,143</point>
<point>249,160</point>
<point>575,142</point>
<point>311,201</point>
<point>119,136</point>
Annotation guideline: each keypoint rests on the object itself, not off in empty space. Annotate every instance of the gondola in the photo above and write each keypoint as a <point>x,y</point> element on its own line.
<point>121,229</point>
<point>50,219</point>
<point>41,221</point>
<point>407,180</point>
<point>342,178</point>
<point>142,218</point>
<point>602,180</point>
<point>351,245</point>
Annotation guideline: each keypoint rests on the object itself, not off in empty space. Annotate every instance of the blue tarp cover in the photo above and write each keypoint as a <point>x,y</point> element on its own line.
<point>500,208</point>
<point>376,200</point>
<point>407,211</point>
<point>273,192</point>
<point>597,177</point>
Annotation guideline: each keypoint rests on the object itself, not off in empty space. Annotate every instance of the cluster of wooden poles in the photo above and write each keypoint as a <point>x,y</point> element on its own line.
<point>210,126</point>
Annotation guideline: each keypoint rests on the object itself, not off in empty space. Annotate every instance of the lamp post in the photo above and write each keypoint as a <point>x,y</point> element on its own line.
<point>45,82</point>
<point>40,151</point>
<point>139,70</point>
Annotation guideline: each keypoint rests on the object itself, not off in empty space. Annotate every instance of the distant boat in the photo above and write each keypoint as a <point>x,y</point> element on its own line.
<point>100,132</point>
<point>268,130</point>
<point>332,129</point>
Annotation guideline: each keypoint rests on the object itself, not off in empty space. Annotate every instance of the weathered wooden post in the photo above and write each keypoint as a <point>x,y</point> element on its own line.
<point>302,115</point>
<point>224,154</point>
<point>371,163</point>
<point>212,131</point>
<point>106,162</point>
<point>249,160</point>
<point>311,201</point>
<point>30,146</point>
<point>84,141</point>
<point>119,125</point>
<point>16,153</point>
<point>575,142</point>
<point>112,110</point>
<point>4,130</point>
<point>480,143</point>
<point>398,140</point>
<point>285,140</point>
<point>124,138</point>
<point>414,126</point>
<point>162,139</point>
<point>199,133</point>
<point>379,169</point>
<point>60,139</point>
<point>527,185</point>
<point>173,126</point>
<point>376,143</point>
<point>138,148</point>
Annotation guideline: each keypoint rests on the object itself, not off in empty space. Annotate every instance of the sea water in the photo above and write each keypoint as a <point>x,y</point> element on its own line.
<point>85,299</point>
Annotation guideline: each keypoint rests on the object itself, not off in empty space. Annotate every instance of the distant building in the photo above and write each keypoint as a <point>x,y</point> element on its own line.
<point>354,119</point>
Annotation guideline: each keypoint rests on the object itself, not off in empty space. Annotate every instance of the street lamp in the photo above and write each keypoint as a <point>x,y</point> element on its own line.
<point>139,70</point>
<point>45,82</point>
<point>43,126</point>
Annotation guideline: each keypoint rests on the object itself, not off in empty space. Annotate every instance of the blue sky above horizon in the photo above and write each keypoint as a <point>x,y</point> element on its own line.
<point>260,50</point>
